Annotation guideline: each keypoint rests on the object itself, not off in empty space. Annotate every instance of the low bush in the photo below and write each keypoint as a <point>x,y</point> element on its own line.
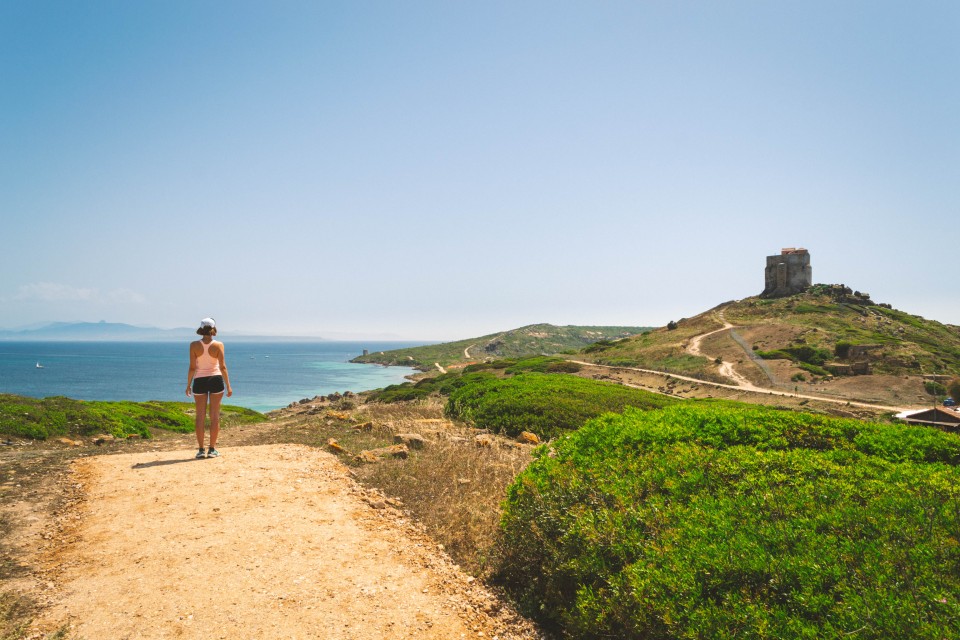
<point>58,416</point>
<point>547,405</point>
<point>842,348</point>
<point>934,388</point>
<point>706,522</point>
<point>599,345</point>
<point>543,364</point>
<point>801,353</point>
<point>814,369</point>
<point>441,384</point>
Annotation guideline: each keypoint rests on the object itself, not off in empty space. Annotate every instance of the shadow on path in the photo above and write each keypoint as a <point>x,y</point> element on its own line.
<point>163,463</point>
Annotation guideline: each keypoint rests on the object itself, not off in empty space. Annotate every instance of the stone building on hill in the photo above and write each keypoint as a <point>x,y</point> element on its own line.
<point>787,273</point>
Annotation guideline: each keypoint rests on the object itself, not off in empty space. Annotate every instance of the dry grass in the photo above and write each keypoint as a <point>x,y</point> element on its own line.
<point>453,487</point>
<point>15,615</point>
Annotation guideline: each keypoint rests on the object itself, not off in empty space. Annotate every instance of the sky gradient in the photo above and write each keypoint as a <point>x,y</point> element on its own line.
<point>442,170</point>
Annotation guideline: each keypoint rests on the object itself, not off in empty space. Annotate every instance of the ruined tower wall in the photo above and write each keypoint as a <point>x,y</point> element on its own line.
<point>787,274</point>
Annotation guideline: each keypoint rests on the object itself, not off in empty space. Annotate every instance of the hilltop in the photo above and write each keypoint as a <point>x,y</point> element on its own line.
<point>829,339</point>
<point>534,339</point>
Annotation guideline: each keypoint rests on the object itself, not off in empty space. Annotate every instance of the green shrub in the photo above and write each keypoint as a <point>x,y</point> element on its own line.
<point>814,369</point>
<point>800,353</point>
<point>58,416</point>
<point>564,366</point>
<point>842,348</point>
<point>442,384</point>
<point>776,354</point>
<point>599,345</point>
<point>542,364</point>
<point>700,522</point>
<point>543,404</point>
<point>953,388</point>
<point>934,388</point>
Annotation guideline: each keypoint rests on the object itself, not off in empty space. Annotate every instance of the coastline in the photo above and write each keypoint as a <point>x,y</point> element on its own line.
<point>265,375</point>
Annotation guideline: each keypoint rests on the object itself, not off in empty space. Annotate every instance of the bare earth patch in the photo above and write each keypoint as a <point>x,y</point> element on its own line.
<point>273,541</point>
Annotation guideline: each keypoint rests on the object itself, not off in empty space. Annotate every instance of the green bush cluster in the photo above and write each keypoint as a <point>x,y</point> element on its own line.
<point>599,345</point>
<point>542,364</point>
<point>442,384</point>
<point>445,383</point>
<point>707,522</point>
<point>58,416</point>
<point>801,353</point>
<point>547,405</point>
<point>814,369</point>
<point>934,388</point>
<point>842,348</point>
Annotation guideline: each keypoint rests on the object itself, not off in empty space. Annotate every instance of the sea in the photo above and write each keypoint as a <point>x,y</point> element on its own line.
<point>264,375</point>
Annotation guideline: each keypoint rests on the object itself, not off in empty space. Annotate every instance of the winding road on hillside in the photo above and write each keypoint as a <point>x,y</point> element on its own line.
<point>741,383</point>
<point>725,368</point>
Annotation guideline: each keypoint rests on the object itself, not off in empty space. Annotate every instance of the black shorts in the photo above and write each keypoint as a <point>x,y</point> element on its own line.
<point>209,384</point>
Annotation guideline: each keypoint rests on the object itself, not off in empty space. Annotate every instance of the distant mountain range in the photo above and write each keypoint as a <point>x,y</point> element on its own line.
<point>116,332</point>
<point>95,331</point>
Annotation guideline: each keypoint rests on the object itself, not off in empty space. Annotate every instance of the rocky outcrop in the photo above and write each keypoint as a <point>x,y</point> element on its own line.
<point>412,440</point>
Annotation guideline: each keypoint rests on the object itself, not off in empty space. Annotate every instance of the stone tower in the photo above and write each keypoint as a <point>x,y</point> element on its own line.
<point>787,273</point>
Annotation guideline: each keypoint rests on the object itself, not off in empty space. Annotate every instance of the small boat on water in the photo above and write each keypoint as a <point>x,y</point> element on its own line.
<point>39,366</point>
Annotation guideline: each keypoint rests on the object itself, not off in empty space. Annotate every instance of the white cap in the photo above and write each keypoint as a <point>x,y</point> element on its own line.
<point>208,322</point>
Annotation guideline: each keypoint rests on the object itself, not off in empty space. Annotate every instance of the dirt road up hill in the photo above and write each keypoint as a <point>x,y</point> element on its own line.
<point>264,542</point>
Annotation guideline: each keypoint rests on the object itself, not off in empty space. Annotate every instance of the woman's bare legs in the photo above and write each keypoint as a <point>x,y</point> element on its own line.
<point>200,402</point>
<point>215,400</point>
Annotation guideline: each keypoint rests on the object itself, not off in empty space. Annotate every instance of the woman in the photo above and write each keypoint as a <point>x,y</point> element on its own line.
<point>208,374</point>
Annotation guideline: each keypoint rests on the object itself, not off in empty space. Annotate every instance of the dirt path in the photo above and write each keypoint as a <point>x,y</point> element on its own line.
<point>751,389</point>
<point>725,368</point>
<point>272,541</point>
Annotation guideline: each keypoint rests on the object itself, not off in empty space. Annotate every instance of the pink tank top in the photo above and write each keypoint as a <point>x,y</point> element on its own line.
<point>207,365</point>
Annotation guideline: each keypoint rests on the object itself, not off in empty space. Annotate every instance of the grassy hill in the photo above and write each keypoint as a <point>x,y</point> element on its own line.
<point>534,339</point>
<point>826,336</point>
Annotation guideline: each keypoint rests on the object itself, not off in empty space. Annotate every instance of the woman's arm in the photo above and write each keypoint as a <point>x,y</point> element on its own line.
<point>192,370</point>
<point>223,370</point>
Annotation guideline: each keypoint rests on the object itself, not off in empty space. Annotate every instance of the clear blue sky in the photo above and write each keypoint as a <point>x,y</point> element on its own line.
<point>441,170</point>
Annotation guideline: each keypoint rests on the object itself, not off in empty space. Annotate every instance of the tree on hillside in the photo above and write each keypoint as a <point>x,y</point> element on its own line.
<point>953,388</point>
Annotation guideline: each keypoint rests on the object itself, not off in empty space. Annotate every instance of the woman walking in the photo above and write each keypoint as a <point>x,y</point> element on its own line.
<point>206,380</point>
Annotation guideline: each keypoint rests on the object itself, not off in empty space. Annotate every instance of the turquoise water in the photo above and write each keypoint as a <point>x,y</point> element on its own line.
<point>264,375</point>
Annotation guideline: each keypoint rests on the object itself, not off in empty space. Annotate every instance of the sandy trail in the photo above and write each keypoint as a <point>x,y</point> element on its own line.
<point>264,542</point>
<point>725,369</point>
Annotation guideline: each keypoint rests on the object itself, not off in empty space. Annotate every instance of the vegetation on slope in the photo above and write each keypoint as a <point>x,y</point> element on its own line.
<point>58,416</point>
<point>514,395</point>
<point>535,339</point>
<point>813,329</point>
<point>905,344</point>
<point>662,349</point>
<point>544,404</point>
<point>707,522</point>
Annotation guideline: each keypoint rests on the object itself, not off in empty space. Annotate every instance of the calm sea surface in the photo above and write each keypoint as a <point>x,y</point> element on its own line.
<point>264,375</point>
